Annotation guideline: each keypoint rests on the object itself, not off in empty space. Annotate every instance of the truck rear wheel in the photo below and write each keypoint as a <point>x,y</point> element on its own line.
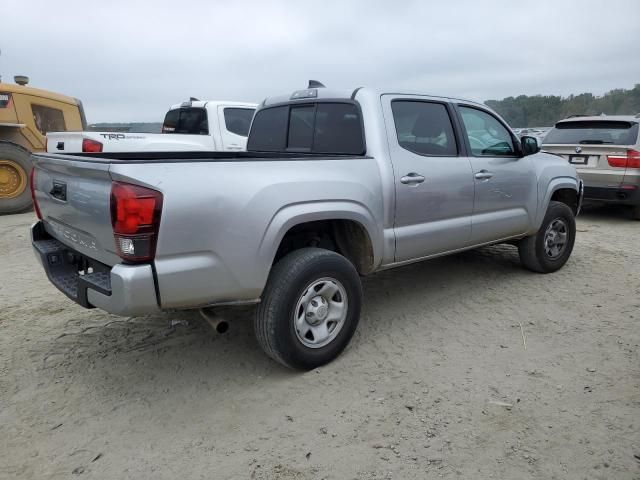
<point>310,308</point>
<point>550,248</point>
<point>15,164</point>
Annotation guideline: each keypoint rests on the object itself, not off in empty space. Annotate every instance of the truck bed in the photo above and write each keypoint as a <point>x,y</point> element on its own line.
<point>212,202</point>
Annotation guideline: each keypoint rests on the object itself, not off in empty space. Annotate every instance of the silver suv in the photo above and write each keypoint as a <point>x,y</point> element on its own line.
<point>606,153</point>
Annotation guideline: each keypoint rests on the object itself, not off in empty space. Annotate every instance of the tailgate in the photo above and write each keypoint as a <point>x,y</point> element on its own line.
<point>64,142</point>
<point>74,199</point>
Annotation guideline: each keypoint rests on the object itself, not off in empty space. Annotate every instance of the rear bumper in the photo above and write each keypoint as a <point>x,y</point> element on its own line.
<point>617,195</point>
<point>125,290</point>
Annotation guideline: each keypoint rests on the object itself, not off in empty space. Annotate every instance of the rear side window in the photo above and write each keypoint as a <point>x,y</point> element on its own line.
<point>48,119</point>
<point>238,120</point>
<point>191,121</point>
<point>424,128</point>
<point>487,136</point>
<point>333,128</point>
<point>598,132</point>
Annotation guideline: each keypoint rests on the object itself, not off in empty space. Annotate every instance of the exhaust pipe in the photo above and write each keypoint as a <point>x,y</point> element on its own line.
<point>219,324</point>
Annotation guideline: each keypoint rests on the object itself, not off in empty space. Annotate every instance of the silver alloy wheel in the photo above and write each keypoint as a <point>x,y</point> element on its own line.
<point>321,312</point>
<point>555,238</point>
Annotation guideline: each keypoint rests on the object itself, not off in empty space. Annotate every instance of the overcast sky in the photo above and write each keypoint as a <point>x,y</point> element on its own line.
<point>128,61</point>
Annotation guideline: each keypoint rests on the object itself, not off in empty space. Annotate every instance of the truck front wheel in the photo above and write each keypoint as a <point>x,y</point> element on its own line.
<point>550,248</point>
<point>310,308</point>
<point>15,164</point>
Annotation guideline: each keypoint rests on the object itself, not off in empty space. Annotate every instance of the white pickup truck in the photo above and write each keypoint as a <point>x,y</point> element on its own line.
<point>212,126</point>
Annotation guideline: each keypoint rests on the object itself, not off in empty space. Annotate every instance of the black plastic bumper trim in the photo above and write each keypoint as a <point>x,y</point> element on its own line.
<point>63,266</point>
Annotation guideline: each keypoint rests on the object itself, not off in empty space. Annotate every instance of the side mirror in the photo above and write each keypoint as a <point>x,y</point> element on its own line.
<point>529,145</point>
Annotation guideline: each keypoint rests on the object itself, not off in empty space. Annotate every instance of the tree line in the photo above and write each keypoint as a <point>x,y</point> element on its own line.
<point>546,110</point>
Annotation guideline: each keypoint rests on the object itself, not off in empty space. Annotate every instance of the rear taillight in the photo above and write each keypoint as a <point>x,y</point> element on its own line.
<point>91,146</point>
<point>630,160</point>
<point>32,185</point>
<point>135,217</point>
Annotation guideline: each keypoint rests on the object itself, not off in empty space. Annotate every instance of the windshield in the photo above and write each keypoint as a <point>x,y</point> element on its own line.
<point>597,132</point>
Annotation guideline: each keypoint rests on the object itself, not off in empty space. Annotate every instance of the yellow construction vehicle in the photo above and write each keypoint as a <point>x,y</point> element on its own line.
<point>26,115</point>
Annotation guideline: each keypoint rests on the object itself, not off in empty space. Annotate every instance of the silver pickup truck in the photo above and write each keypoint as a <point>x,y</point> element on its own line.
<point>334,185</point>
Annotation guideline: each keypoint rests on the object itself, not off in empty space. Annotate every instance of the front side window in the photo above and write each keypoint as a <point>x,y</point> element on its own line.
<point>192,121</point>
<point>238,120</point>
<point>487,136</point>
<point>48,119</point>
<point>424,128</point>
<point>332,128</point>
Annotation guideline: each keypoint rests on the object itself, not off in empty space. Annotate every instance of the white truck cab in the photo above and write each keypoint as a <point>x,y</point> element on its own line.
<point>196,125</point>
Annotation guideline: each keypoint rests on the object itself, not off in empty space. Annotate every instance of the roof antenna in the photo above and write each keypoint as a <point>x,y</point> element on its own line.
<point>315,84</point>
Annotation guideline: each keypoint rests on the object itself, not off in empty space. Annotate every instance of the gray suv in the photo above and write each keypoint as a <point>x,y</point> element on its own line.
<point>606,153</point>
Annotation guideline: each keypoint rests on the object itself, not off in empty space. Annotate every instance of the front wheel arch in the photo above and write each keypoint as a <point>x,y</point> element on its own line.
<point>557,184</point>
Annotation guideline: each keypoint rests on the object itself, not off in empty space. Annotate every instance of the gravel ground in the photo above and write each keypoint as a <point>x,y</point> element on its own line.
<point>436,383</point>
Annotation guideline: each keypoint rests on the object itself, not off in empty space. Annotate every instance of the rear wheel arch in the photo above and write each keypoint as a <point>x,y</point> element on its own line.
<point>349,233</point>
<point>343,236</point>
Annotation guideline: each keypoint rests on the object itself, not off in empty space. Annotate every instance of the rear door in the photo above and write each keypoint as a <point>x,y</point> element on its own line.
<point>234,126</point>
<point>587,144</point>
<point>505,183</point>
<point>433,180</point>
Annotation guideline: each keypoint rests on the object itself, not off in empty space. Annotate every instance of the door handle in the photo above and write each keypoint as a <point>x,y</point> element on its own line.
<point>412,178</point>
<point>483,175</point>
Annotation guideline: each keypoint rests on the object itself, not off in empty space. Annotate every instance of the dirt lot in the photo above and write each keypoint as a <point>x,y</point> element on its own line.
<point>436,383</point>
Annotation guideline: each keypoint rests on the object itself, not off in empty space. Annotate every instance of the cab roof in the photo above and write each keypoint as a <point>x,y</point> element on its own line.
<point>36,92</point>
<point>310,94</point>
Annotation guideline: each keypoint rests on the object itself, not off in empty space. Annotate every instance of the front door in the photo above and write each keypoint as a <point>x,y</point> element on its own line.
<point>433,181</point>
<point>505,182</point>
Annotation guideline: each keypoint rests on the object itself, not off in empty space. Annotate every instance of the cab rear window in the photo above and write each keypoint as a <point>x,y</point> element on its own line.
<point>597,132</point>
<point>191,121</point>
<point>322,127</point>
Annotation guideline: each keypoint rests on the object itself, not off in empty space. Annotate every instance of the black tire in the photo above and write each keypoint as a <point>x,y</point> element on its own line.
<point>635,212</point>
<point>22,159</point>
<point>288,281</point>
<point>533,253</point>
